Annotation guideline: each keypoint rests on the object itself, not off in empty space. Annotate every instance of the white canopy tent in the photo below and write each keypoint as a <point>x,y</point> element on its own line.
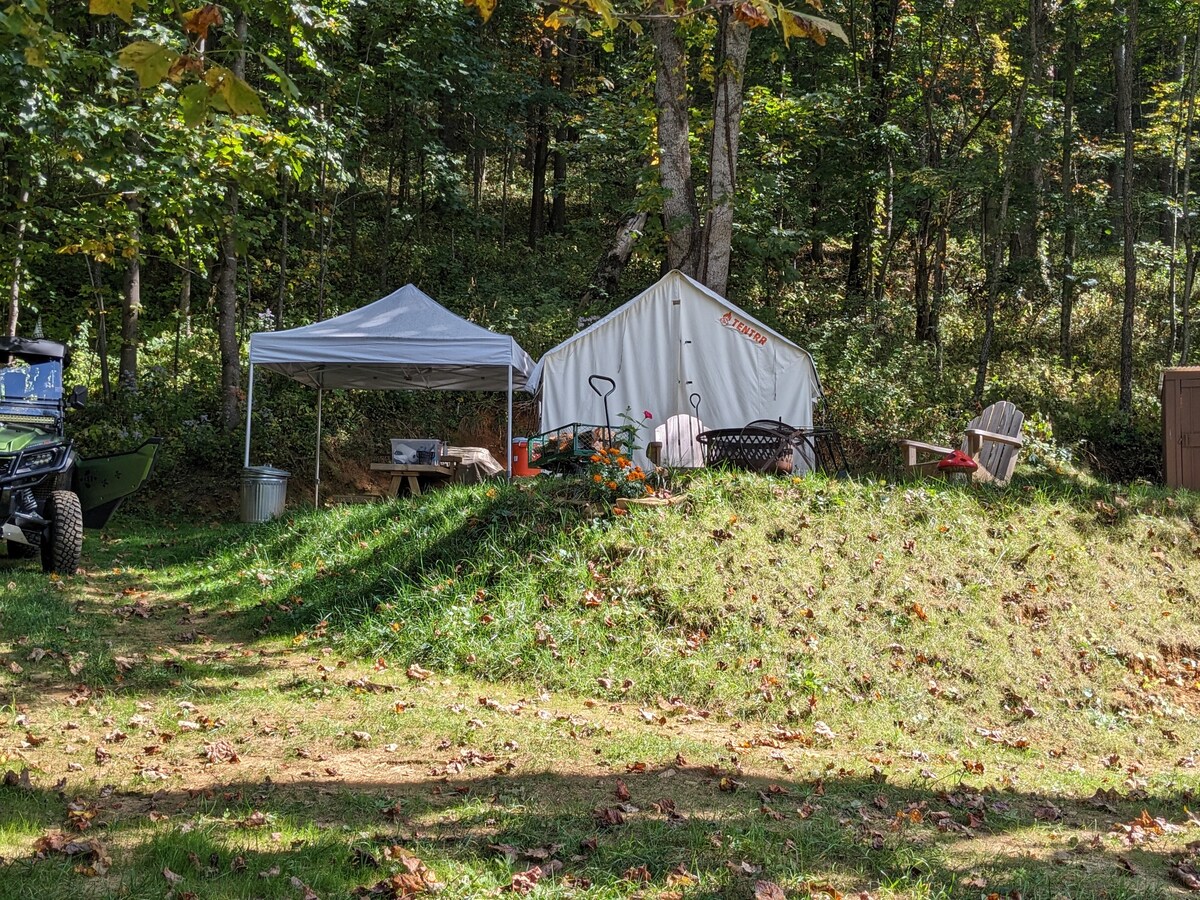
<point>406,341</point>
<point>672,345</point>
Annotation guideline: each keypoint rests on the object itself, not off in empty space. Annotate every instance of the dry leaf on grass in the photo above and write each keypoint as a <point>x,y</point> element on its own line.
<point>768,890</point>
<point>306,893</point>
<point>637,874</point>
<point>1187,875</point>
<point>21,781</point>
<point>95,859</point>
<point>524,882</point>
<point>220,751</point>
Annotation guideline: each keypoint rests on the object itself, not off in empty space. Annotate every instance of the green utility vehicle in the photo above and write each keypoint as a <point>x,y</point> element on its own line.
<point>48,495</point>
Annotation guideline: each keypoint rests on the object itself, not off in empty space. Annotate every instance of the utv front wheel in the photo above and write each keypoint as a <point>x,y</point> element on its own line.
<point>62,542</point>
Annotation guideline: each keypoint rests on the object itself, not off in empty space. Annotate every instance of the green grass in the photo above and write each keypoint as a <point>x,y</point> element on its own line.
<point>855,649</point>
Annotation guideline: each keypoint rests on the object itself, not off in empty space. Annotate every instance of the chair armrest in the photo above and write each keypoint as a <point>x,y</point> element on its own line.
<point>926,448</point>
<point>981,436</point>
<point>912,448</point>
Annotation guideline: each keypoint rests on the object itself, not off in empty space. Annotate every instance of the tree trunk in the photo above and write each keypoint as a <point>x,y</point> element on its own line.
<point>101,334</point>
<point>998,238</point>
<point>680,215</point>
<point>504,179</point>
<point>733,43</point>
<point>608,271</point>
<point>564,135</point>
<point>539,155</point>
<point>14,292</point>
<point>1067,290</point>
<point>1027,255</point>
<point>537,199</point>
<point>131,301</point>
<point>1128,229</point>
<point>227,306</point>
<point>939,281</point>
<point>281,293</point>
<point>1170,220</point>
<point>1189,256</point>
<point>923,241</point>
<point>862,247</point>
<point>386,228</point>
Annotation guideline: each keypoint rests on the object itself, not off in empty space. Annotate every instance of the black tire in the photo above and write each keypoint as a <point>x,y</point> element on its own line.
<point>22,551</point>
<point>62,542</point>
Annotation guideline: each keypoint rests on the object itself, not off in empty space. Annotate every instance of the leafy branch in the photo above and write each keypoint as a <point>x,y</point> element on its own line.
<point>214,88</point>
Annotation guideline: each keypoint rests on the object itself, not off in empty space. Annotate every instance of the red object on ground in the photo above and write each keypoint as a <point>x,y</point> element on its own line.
<point>519,454</point>
<point>957,461</point>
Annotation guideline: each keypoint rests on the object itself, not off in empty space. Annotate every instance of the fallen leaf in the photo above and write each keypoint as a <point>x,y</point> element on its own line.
<point>1186,874</point>
<point>637,874</point>
<point>768,890</point>
<point>220,751</point>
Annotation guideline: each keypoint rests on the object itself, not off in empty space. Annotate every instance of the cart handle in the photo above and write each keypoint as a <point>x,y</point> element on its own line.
<point>612,385</point>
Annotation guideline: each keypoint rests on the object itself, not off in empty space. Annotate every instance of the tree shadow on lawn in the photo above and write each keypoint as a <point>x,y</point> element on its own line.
<point>201,587</point>
<point>445,533</point>
<point>460,534</point>
<point>856,834</point>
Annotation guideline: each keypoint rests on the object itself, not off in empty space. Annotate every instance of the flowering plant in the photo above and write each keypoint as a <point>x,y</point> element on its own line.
<point>627,432</point>
<point>612,474</point>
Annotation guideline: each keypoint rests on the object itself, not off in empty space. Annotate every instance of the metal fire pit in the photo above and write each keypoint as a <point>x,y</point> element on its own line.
<point>767,445</point>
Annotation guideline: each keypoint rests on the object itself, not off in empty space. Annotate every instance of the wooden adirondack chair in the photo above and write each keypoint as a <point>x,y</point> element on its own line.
<point>992,439</point>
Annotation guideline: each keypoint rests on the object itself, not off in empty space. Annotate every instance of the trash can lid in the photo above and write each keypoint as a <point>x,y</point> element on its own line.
<point>266,470</point>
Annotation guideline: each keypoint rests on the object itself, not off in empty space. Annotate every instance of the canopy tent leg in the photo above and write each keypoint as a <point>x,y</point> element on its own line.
<point>317,476</point>
<point>249,410</point>
<point>508,451</point>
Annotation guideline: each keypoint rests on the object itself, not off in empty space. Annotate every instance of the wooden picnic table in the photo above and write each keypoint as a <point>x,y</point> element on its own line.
<point>411,475</point>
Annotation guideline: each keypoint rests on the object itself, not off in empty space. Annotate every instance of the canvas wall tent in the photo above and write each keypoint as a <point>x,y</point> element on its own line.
<point>675,339</point>
<point>405,341</point>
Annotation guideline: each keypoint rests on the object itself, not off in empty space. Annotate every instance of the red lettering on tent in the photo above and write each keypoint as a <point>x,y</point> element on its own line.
<point>729,321</point>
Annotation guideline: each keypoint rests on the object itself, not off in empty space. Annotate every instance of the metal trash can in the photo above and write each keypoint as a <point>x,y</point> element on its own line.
<point>264,490</point>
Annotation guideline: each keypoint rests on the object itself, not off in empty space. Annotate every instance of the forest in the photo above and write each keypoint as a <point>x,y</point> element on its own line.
<point>947,203</point>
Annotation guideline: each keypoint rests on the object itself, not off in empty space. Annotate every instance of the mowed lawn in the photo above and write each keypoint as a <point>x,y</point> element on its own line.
<point>778,688</point>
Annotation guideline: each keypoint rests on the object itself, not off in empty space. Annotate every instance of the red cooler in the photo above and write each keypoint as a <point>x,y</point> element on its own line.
<point>519,454</point>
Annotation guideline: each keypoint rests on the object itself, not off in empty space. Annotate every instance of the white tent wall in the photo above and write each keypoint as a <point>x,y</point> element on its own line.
<point>674,339</point>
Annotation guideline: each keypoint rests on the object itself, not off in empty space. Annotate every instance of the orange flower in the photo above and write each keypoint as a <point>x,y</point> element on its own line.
<point>619,511</point>
<point>649,490</point>
<point>622,461</point>
<point>595,458</point>
<point>597,478</point>
<point>612,485</point>
<point>631,477</point>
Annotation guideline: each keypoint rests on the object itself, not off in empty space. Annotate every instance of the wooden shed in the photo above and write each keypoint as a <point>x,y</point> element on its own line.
<point>1181,427</point>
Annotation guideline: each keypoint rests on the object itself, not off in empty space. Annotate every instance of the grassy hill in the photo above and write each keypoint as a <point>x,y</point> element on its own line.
<point>913,690</point>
